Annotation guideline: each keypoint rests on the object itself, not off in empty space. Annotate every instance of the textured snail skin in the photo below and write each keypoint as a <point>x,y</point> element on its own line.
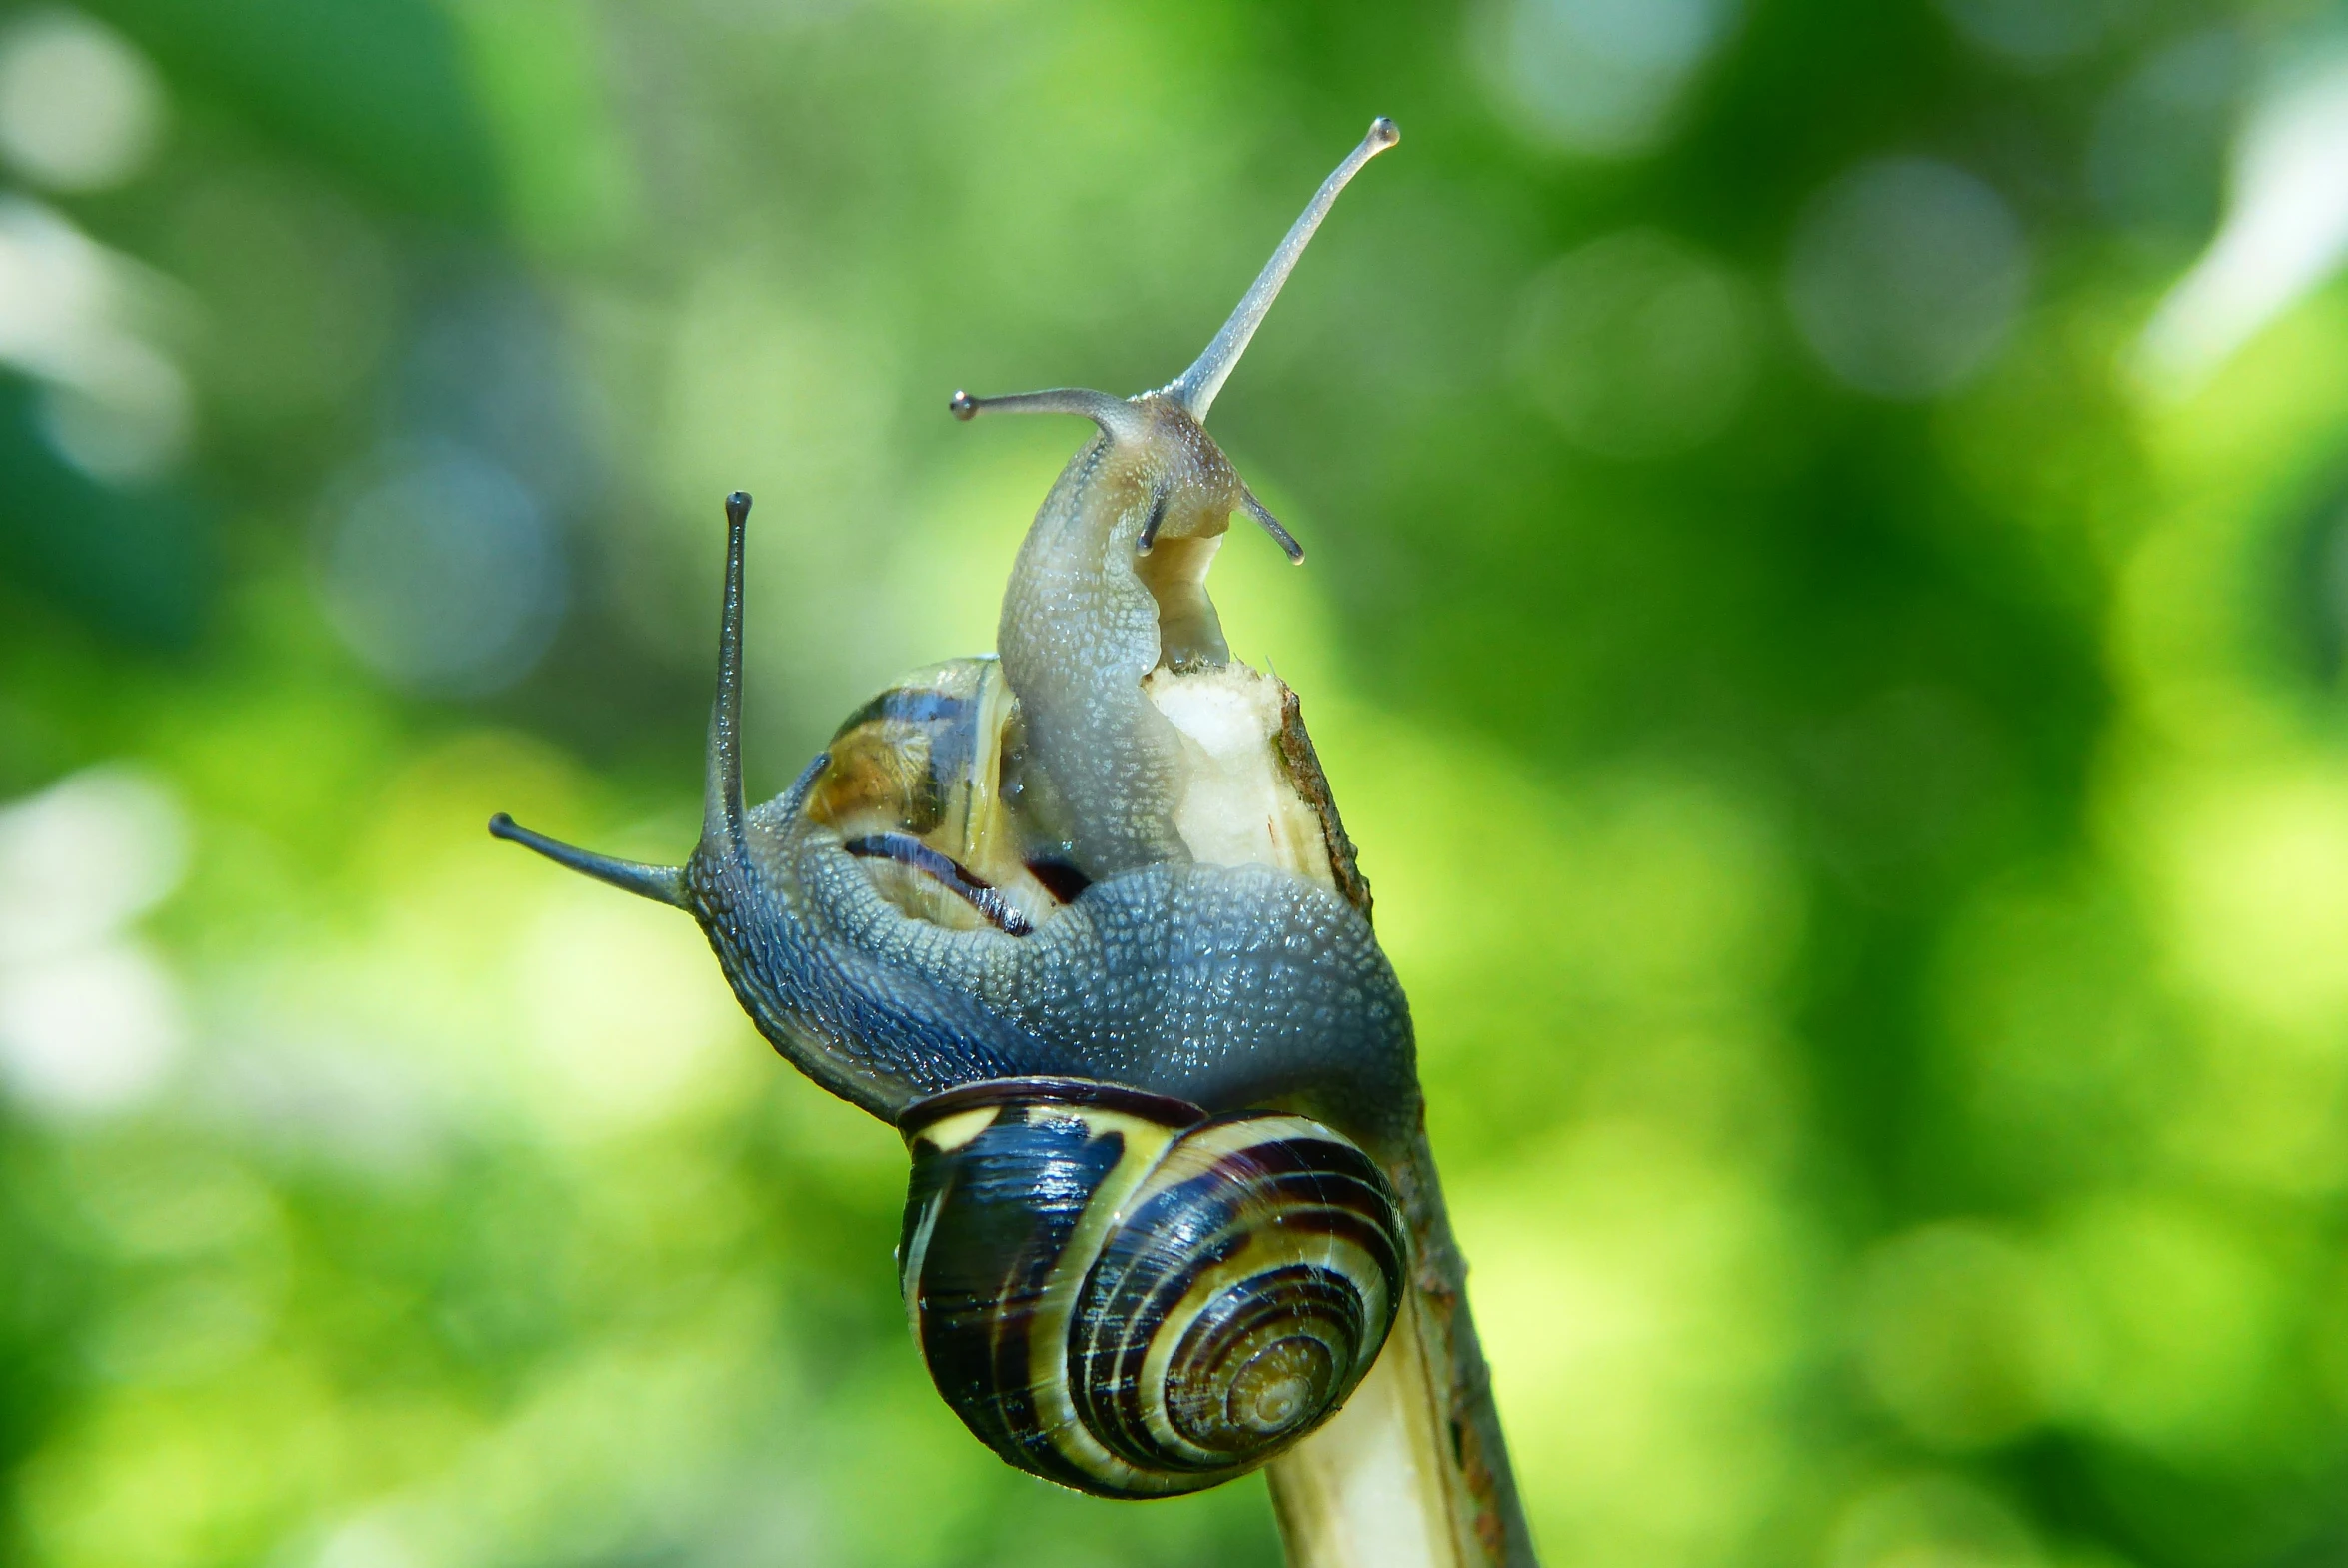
<point>1087,615</point>
<point>1227,986</point>
<point>877,1037</point>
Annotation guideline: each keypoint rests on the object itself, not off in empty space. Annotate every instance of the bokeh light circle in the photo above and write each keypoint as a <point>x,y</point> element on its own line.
<point>1636,344</point>
<point>1597,78</point>
<point>80,108</point>
<point>1906,275</point>
<point>442,571</point>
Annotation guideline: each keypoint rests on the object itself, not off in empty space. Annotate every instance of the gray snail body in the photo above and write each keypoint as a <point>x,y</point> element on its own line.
<point>1008,911</point>
<point>1110,584</point>
<point>1229,986</point>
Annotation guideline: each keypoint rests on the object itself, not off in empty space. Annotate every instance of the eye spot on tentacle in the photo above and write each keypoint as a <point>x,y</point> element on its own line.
<point>1158,506</point>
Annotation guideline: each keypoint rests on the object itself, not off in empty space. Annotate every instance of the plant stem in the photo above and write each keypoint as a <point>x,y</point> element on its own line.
<point>1413,1472</point>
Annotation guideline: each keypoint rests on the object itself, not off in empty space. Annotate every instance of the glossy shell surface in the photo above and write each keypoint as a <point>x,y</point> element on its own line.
<point>1120,1293</point>
<point>926,783</point>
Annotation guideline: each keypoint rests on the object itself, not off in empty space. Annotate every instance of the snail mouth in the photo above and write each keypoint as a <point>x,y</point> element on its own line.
<point>1190,633</point>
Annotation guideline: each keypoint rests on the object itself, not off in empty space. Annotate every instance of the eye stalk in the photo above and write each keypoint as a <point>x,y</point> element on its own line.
<point>1197,386</point>
<point>722,831</point>
<point>720,819</point>
<point>1142,419</point>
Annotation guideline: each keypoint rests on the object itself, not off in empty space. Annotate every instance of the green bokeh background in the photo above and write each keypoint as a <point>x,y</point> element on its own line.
<point>1870,857</point>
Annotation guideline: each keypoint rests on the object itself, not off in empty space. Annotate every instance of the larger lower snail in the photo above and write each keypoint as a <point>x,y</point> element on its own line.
<point>1084,925</point>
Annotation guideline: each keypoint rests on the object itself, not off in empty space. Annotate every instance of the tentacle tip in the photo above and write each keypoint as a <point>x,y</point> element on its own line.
<point>737,506</point>
<point>962,404</point>
<point>1384,133</point>
<point>1272,526</point>
<point>502,826</point>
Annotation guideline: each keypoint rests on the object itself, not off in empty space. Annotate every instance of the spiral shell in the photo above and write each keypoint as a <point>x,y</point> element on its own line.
<point>926,785</point>
<point>1124,1295</point>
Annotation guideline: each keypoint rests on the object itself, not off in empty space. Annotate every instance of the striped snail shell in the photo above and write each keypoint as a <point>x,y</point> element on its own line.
<point>926,785</point>
<point>1120,1293</point>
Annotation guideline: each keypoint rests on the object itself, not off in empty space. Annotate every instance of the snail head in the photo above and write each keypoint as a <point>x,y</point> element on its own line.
<point>1155,445</point>
<point>721,836</point>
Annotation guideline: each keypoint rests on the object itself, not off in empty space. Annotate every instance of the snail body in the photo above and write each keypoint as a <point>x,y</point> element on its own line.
<point>1110,584</point>
<point>987,877</point>
<point>1229,986</point>
<point>1121,1294</point>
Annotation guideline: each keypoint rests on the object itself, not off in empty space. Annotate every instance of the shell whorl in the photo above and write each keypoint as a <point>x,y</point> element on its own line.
<point>1121,1294</point>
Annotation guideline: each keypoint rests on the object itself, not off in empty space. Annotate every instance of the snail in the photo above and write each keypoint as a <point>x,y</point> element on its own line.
<point>1083,923</point>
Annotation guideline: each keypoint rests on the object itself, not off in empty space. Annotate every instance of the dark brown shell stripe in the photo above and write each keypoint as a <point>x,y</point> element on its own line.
<point>1132,1309</point>
<point>911,706</point>
<point>903,755</point>
<point>950,873</point>
<point>997,1233</point>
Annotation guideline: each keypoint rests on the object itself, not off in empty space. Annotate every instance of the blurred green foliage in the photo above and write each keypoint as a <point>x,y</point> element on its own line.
<point>1827,610</point>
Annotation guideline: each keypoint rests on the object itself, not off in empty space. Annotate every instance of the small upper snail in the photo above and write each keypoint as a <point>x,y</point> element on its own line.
<point>1083,924</point>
